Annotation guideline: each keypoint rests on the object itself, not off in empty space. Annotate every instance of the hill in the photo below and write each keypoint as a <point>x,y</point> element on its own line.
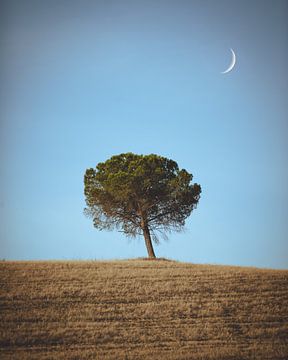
<point>141,309</point>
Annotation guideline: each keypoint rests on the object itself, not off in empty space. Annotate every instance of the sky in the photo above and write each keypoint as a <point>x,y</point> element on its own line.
<point>81,81</point>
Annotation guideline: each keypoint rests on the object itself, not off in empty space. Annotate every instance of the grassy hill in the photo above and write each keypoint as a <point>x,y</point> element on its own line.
<point>141,309</point>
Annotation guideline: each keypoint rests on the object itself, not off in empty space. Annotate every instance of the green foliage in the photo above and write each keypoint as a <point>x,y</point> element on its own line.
<point>131,191</point>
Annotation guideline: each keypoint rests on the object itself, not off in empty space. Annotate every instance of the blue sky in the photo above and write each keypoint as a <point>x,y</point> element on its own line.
<point>84,80</point>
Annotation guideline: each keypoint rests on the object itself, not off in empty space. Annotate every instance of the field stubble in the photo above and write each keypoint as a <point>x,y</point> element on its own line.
<point>139,309</point>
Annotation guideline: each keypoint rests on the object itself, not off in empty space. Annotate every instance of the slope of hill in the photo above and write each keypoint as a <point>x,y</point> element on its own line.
<point>141,309</point>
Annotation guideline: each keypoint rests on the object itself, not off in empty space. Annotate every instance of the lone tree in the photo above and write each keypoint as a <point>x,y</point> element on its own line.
<point>140,194</point>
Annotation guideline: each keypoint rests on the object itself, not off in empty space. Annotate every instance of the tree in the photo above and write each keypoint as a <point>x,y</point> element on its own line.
<point>140,194</point>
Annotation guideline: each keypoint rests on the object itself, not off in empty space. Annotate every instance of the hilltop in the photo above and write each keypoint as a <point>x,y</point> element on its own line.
<point>139,309</point>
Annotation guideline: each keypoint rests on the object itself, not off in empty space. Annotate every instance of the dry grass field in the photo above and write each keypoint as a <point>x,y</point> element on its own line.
<point>141,309</point>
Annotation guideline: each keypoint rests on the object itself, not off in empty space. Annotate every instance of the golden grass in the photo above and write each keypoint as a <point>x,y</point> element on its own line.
<point>139,309</point>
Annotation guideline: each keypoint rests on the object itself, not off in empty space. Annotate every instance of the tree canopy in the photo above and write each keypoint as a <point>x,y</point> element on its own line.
<point>140,194</point>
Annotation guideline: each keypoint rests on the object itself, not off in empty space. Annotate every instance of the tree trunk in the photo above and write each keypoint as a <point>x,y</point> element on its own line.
<point>148,242</point>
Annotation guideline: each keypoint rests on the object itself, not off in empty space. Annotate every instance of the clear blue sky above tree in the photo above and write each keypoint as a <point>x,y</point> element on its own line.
<point>84,80</point>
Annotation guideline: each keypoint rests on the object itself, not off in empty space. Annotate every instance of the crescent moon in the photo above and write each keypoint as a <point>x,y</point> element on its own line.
<point>232,64</point>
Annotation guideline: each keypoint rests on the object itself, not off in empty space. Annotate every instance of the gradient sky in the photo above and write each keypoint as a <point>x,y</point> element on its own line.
<point>84,80</point>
